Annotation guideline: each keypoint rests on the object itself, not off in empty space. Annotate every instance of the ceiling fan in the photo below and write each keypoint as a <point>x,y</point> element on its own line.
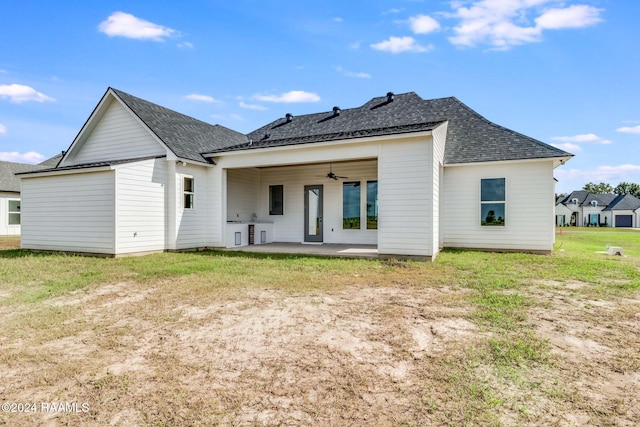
<point>332,175</point>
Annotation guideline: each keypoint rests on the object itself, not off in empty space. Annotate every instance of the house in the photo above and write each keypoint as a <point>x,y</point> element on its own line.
<point>408,175</point>
<point>625,211</point>
<point>10,207</point>
<point>581,208</point>
<point>568,209</point>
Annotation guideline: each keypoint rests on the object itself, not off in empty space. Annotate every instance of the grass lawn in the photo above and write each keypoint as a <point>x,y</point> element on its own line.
<point>235,339</point>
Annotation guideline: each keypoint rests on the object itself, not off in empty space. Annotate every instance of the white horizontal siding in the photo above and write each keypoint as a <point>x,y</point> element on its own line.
<point>405,196</point>
<point>529,206</point>
<point>5,228</point>
<point>141,206</point>
<point>243,194</point>
<point>117,135</point>
<point>69,213</point>
<point>290,226</point>
<point>192,225</point>
<point>439,140</point>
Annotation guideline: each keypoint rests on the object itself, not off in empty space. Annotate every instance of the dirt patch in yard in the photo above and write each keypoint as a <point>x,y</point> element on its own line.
<point>596,347</point>
<point>361,355</point>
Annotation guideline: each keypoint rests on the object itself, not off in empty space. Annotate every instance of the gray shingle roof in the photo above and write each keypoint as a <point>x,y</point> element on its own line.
<point>185,136</point>
<point>89,165</point>
<point>9,182</point>
<point>580,195</point>
<point>52,162</point>
<point>470,137</point>
<point>623,202</point>
<point>602,199</point>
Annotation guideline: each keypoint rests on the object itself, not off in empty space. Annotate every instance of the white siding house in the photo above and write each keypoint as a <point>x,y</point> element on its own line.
<point>529,187</point>
<point>10,214</point>
<point>407,175</point>
<point>598,210</point>
<point>10,200</point>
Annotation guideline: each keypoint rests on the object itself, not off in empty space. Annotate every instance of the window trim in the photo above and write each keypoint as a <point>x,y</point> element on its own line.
<point>17,213</point>
<point>487,202</point>
<point>281,210</point>
<point>358,185</point>
<point>186,193</point>
<point>366,206</point>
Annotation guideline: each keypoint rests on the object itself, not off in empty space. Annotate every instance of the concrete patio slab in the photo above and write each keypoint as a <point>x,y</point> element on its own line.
<point>332,250</point>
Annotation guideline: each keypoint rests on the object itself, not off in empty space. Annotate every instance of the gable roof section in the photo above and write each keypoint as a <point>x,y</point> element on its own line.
<point>9,182</point>
<point>470,137</point>
<point>580,195</point>
<point>624,202</point>
<point>601,199</point>
<point>186,137</point>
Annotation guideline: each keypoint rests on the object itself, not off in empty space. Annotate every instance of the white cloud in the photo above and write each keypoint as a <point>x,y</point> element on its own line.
<point>290,97</point>
<point>338,19</point>
<point>21,93</point>
<point>567,146</point>
<point>401,44</point>
<point>357,75</point>
<point>354,45</point>
<point>186,45</point>
<point>121,24</point>
<point>584,138</point>
<point>634,130</point>
<point>507,23</point>
<point>30,157</point>
<point>3,129</point>
<point>423,24</point>
<point>228,117</point>
<point>575,16</point>
<point>252,106</point>
<point>201,98</point>
<point>605,173</point>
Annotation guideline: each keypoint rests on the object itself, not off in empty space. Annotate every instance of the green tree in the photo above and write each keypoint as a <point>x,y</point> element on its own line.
<point>628,188</point>
<point>601,188</point>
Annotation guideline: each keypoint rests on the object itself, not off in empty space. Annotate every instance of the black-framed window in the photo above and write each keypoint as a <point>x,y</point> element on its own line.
<point>351,205</point>
<point>493,201</point>
<point>276,200</point>
<point>372,205</point>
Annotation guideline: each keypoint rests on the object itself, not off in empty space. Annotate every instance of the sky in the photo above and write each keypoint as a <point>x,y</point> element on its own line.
<point>566,73</point>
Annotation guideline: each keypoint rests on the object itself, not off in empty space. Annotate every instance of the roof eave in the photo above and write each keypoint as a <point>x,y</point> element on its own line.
<point>557,161</point>
<point>352,140</point>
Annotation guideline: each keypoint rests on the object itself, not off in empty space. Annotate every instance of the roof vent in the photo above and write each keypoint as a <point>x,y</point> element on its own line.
<point>289,117</point>
<point>266,136</point>
<point>336,111</point>
<point>390,96</point>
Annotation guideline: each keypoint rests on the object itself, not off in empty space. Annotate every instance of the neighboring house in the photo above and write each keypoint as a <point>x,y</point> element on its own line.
<point>569,209</point>
<point>625,211</point>
<point>408,175</point>
<point>584,209</point>
<point>10,206</point>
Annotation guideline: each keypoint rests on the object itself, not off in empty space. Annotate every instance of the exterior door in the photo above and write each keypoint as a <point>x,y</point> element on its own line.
<point>313,213</point>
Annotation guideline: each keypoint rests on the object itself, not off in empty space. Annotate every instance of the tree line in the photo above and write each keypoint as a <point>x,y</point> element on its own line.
<point>604,188</point>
